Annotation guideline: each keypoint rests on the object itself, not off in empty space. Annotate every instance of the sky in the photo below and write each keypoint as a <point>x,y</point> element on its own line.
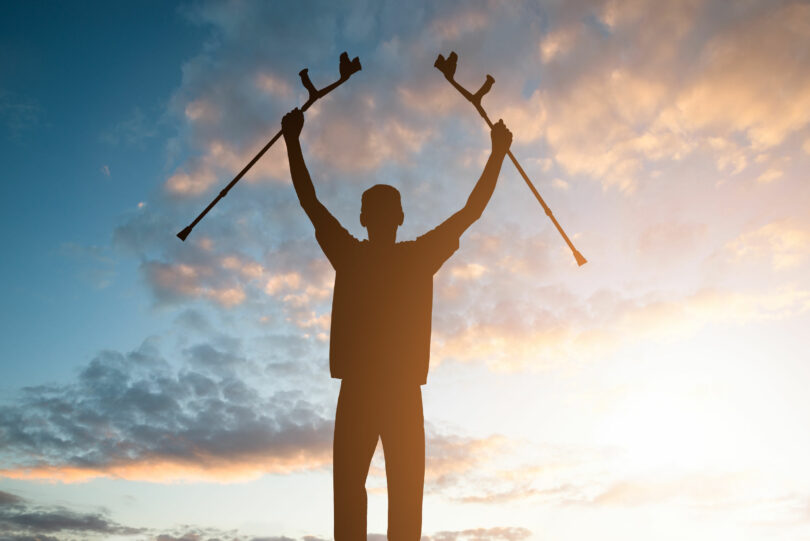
<point>153,389</point>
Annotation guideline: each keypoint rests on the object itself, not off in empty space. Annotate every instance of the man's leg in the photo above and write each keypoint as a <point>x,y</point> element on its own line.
<point>356,433</point>
<point>403,438</point>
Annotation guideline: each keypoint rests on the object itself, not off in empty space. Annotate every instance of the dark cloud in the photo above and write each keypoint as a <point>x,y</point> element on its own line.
<point>195,321</point>
<point>476,534</point>
<point>24,520</point>
<point>131,411</point>
<point>25,537</point>
<point>8,499</point>
<point>192,533</point>
<point>21,519</point>
<point>189,533</point>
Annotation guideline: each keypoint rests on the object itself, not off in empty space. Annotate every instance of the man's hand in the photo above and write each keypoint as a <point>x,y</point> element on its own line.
<point>501,138</point>
<point>292,123</point>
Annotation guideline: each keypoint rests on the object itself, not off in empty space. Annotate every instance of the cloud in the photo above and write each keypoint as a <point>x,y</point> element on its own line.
<point>557,43</point>
<point>231,280</point>
<point>230,103</point>
<point>221,161</point>
<point>784,243</point>
<point>470,271</point>
<point>476,534</point>
<point>135,416</point>
<point>518,334</point>
<point>733,94</point>
<point>529,473</point>
<point>180,280</point>
<point>463,21</point>
<point>274,85</point>
<point>364,135</point>
<point>770,175</point>
<point>132,416</point>
<point>451,457</point>
<point>611,112</point>
<point>616,96</point>
<point>622,106</point>
<point>22,519</point>
<point>482,534</point>
<point>201,111</point>
<point>497,470</point>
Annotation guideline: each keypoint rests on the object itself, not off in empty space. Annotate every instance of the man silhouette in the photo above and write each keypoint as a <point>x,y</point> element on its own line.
<point>380,336</point>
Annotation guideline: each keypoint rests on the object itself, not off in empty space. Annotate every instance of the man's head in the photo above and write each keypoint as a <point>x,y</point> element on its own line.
<point>381,211</point>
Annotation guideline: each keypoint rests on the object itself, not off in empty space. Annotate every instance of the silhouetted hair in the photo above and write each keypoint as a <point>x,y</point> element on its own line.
<point>381,198</point>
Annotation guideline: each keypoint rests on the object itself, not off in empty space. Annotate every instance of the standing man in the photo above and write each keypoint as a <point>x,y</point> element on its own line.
<point>380,336</point>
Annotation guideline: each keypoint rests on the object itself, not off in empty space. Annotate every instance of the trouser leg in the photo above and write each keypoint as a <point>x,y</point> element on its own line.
<point>355,439</point>
<point>403,438</point>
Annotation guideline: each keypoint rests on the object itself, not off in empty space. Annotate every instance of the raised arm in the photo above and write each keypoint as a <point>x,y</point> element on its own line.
<point>481,193</point>
<point>333,238</point>
<point>291,125</point>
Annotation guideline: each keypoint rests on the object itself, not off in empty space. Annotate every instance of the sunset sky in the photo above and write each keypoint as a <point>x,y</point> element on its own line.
<point>166,390</point>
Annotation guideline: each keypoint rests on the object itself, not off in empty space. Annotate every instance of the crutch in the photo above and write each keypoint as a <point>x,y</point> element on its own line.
<point>347,68</point>
<point>448,67</point>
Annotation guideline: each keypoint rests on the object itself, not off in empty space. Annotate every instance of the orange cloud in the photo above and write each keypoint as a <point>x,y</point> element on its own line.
<point>783,242</point>
<point>160,470</point>
<point>609,121</point>
<point>751,80</point>
<point>220,162</point>
<point>273,85</point>
<point>202,111</point>
<point>186,280</point>
<point>290,280</point>
<point>557,43</point>
<point>519,341</point>
<point>470,271</point>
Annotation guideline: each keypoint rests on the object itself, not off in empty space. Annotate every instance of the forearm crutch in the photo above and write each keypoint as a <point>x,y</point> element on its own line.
<point>347,68</point>
<point>448,67</point>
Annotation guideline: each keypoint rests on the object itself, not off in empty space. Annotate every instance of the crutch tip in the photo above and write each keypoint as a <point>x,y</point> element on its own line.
<point>184,233</point>
<point>580,260</point>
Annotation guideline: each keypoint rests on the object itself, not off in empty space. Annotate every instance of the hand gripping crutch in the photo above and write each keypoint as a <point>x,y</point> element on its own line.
<point>448,67</point>
<point>347,68</point>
